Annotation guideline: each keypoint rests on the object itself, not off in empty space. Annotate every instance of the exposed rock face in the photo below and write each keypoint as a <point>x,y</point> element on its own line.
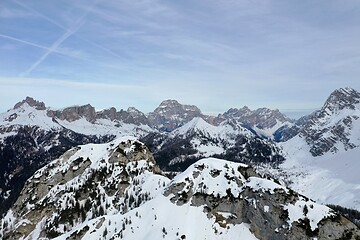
<point>131,115</point>
<point>33,103</point>
<point>135,116</point>
<point>262,118</point>
<point>171,114</point>
<point>86,182</point>
<point>343,98</point>
<point>71,114</point>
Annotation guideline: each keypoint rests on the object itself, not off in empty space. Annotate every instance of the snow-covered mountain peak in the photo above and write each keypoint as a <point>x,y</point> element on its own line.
<point>173,106</point>
<point>343,98</point>
<point>197,124</point>
<point>235,112</point>
<point>133,110</point>
<point>335,126</point>
<point>25,114</point>
<point>32,103</point>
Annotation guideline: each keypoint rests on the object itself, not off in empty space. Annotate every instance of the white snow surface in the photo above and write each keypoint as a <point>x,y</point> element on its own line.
<point>314,212</point>
<point>269,132</point>
<point>161,219</point>
<point>26,115</point>
<point>329,179</point>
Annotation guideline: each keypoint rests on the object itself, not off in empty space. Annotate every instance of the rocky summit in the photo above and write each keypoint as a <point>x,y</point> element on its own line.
<point>116,191</point>
<point>171,114</point>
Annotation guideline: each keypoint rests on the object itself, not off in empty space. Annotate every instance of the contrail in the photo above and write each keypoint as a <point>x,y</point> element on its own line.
<point>54,46</point>
<point>73,29</point>
<point>37,45</point>
<point>64,28</point>
<point>23,41</point>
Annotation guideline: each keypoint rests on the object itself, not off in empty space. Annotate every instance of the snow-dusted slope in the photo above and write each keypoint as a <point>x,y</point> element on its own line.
<point>160,219</point>
<point>114,191</point>
<point>25,115</point>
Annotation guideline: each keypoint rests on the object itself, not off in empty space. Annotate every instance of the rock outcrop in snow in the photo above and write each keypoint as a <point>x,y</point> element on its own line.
<point>86,182</point>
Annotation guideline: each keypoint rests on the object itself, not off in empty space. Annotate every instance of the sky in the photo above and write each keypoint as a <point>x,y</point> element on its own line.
<point>287,55</point>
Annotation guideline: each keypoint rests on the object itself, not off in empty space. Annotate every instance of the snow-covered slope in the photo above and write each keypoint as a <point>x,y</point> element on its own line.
<point>114,191</point>
<point>322,160</point>
<point>198,139</point>
<point>332,178</point>
<point>25,115</point>
<point>86,182</point>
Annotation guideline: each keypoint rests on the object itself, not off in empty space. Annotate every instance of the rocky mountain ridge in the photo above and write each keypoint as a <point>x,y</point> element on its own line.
<point>263,120</point>
<point>334,127</point>
<point>114,190</point>
<point>168,116</point>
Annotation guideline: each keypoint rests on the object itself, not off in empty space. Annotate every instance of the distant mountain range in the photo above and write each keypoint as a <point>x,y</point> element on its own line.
<point>316,154</point>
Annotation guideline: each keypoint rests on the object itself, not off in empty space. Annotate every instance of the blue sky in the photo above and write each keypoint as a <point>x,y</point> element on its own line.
<point>288,55</point>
